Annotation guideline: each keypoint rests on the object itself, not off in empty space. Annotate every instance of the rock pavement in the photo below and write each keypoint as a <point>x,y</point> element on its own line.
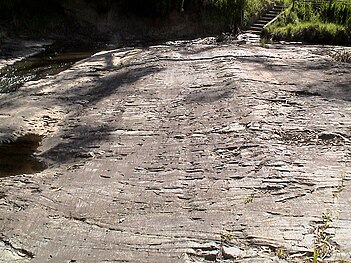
<point>184,152</point>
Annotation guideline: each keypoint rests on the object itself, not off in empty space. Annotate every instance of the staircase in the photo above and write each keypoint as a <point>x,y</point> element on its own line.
<point>257,27</point>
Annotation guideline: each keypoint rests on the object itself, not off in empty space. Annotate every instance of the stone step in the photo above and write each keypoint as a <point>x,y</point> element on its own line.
<point>261,24</point>
<point>267,16</point>
<point>271,15</point>
<point>264,20</point>
<point>276,9</point>
<point>256,27</point>
<point>256,32</point>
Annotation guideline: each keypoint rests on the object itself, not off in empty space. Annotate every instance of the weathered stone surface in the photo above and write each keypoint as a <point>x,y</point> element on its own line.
<point>172,152</point>
<point>232,252</point>
<point>12,51</point>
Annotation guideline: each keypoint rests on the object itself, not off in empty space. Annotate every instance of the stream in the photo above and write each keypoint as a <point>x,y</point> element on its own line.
<point>52,61</point>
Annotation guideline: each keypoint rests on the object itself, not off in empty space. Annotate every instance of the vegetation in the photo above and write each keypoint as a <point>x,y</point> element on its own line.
<point>249,199</point>
<point>19,16</point>
<point>342,56</point>
<point>224,13</point>
<point>227,237</point>
<point>146,8</point>
<point>326,22</point>
<point>253,8</point>
<point>43,18</point>
<point>317,21</point>
<point>323,244</point>
<point>281,252</point>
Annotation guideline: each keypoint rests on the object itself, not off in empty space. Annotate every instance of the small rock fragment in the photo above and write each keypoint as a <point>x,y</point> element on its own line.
<point>232,252</point>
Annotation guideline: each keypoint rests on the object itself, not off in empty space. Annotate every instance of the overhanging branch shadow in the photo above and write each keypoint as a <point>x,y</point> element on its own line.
<point>79,138</point>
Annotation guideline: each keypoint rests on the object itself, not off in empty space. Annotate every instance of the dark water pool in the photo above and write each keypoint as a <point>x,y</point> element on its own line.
<point>18,157</point>
<point>53,60</point>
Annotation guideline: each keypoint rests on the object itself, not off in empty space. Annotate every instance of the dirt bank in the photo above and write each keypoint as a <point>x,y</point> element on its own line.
<point>182,153</point>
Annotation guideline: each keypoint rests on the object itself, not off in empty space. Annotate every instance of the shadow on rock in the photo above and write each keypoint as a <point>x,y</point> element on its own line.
<point>80,139</point>
<point>337,90</point>
<point>107,86</point>
<point>78,144</point>
<point>340,90</point>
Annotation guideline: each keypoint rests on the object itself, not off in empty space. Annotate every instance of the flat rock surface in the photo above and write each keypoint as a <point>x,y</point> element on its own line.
<point>184,153</point>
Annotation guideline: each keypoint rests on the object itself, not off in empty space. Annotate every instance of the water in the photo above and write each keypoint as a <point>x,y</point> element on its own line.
<point>50,62</point>
<point>18,157</point>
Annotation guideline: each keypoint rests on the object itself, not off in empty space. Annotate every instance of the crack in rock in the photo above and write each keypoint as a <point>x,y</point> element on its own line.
<point>22,252</point>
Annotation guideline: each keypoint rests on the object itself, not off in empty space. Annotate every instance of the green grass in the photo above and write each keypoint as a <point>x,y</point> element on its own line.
<point>249,199</point>
<point>281,252</point>
<point>315,255</point>
<point>326,24</point>
<point>323,247</point>
<point>312,32</point>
